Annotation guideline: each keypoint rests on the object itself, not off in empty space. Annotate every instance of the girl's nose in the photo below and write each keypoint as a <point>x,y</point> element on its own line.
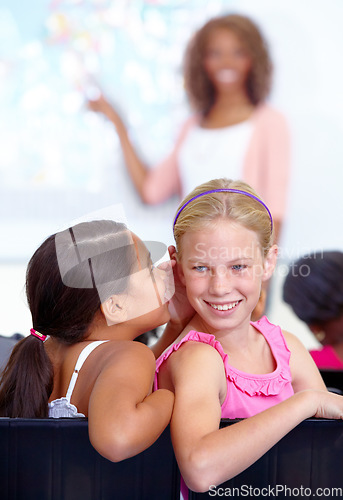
<point>221,281</point>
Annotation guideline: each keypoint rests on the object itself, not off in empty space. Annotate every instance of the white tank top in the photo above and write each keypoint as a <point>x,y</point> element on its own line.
<point>62,407</point>
<point>207,154</point>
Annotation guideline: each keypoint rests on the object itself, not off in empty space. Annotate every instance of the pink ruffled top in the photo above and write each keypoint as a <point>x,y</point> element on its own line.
<point>247,394</point>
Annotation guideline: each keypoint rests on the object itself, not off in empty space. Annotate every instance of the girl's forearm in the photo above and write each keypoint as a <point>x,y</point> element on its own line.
<point>152,415</point>
<point>226,452</point>
<point>134,428</point>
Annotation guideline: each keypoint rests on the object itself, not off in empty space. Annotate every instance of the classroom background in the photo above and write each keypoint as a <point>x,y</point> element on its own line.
<point>59,160</point>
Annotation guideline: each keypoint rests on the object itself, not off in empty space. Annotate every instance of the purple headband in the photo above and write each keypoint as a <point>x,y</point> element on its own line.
<point>228,190</point>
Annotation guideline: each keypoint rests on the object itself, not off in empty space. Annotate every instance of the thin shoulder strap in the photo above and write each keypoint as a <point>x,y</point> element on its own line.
<point>80,360</point>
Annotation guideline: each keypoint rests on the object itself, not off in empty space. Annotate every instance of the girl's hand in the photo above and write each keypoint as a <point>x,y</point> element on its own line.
<point>180,310</point>
<point>179,307</point>
<point>329,405</point>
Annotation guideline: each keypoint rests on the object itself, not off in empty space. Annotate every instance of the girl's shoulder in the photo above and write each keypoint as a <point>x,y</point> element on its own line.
<point>193,347</point>
<point>293,342</point>
<point>279,336</point>
<point>122,351</point>
<point>97,357</point>
<point>279,340</point>
<point>116,360</point>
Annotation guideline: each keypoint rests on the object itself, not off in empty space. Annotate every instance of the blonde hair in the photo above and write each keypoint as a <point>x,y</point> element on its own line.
<point>200,90</point>
<point>207,208</point>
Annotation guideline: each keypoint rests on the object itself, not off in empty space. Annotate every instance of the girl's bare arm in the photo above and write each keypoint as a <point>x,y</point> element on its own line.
<point>208,455</point>
<point>124,416</point>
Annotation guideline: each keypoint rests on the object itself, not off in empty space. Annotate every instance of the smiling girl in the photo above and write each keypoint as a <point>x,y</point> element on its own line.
<point>223,365</point>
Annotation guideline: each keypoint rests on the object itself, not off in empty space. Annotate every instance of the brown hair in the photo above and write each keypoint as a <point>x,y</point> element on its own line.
<point>203,211</point>
<point>200,90</point>
<point>61,311</point>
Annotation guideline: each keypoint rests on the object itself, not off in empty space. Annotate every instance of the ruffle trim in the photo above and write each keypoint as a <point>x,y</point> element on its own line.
<point>257,387</point>
<point>267,385</point>
<point>61,408</point>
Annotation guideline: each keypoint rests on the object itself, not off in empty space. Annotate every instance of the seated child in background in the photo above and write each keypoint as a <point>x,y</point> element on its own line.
<point>92,289</point>
<point>223,365</point>
<point>314,290</point>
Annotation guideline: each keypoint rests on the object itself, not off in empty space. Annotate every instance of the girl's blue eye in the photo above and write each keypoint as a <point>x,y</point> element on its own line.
<point>239,267</point>
<point>200,269</point>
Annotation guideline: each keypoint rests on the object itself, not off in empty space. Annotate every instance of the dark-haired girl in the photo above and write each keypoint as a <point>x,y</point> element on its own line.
<point>92,289</point>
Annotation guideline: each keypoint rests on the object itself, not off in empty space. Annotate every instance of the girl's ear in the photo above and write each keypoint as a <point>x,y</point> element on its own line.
<point>114,309</point>
<point>269,263</point>
<point>179,271</point>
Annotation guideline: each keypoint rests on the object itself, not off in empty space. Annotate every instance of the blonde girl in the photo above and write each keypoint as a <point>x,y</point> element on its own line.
<point>224,365</point>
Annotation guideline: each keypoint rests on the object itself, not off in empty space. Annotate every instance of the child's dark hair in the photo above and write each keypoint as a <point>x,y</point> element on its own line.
<point>61,311</point>
<point>314,287</point>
